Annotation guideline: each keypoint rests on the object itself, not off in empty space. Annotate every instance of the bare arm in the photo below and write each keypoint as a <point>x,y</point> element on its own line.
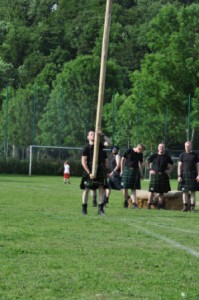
<point>170,169</point>
<point>197,167</point>
<point>118,162</point>
<point>141,169</point>
<point>122,164</point>
<point>107,141</point>
<point>179,171</point>
<point>148,164</point>
<point>84,164</point>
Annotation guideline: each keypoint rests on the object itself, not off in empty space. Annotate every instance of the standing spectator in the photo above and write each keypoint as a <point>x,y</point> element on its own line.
<point>100,182</point>
<point>114,178</point>
<point>66,172</point>
<point>131,172</point>
<point>160,165</point>
<point>188,175</point>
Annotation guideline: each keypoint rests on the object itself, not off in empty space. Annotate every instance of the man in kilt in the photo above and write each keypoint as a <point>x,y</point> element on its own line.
<point>131,172</point>
<point>88,182</point>
<point>114,178</point>
<point>188,175</point>
<point>160,165</point>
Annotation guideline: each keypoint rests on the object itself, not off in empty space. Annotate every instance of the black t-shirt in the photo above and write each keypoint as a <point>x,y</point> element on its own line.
<point>133,158</point>
<point>88,151</point>
<point>160,162</point>
<point>189,161</point>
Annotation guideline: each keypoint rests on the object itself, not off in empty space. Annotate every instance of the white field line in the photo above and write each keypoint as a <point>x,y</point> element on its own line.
<point>165,239</point>
<point>174,229</point>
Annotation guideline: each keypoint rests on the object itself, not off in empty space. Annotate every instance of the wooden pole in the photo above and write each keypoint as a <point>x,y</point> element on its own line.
<point>107,22</point>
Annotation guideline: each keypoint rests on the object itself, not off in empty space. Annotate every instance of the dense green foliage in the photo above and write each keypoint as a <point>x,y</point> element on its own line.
<point>50,62</point>
<point>52,167</point>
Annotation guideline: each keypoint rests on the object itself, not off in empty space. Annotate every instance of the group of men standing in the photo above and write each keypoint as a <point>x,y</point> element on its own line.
<point>125,173</point>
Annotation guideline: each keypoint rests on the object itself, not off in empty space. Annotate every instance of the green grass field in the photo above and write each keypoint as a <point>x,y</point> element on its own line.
<point>49,250</point>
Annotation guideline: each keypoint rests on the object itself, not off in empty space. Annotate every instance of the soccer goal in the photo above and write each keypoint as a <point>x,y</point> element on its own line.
<point>52,153</point>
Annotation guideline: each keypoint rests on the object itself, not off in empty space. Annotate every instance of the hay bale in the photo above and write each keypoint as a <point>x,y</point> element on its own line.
<point>142,198</point>
<point>172,200</point>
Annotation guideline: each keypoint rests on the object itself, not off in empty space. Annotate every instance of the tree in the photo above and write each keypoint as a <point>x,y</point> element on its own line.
<point>23,109</point>
<point>168,75</point>
<point>72,105</point>
<point>7,74</point>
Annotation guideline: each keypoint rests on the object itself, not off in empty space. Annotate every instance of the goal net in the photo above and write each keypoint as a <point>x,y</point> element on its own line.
<point>51,158</point>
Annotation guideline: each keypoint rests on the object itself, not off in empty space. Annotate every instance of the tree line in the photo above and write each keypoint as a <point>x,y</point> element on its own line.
<point>50,62</point>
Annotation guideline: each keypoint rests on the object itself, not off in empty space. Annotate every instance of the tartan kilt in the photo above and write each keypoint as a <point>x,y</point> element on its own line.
<point>93,184</point>
<point>114,182</point>
<point>159,183</point>
<point>131,179</point>
<point>189,182</point>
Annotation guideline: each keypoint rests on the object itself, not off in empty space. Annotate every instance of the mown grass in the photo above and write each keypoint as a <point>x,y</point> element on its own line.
<point>49,250</point>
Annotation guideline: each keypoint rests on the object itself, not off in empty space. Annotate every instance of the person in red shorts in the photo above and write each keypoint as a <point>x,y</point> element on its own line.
<point>66,172</point>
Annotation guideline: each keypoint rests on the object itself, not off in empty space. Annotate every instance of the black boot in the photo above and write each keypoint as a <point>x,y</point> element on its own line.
<point>160,205</point>
<point>134,205</point>
<point>84,209</point>
<point>94,202</point>
<point>192,207</point>
<point>185,207</point>
<point>101,209</point>
<point>149,205</point>
<point>126,204</point>
<point>106,200</point>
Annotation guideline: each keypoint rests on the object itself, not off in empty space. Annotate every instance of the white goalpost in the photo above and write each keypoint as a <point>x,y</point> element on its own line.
<point>31,147</point>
